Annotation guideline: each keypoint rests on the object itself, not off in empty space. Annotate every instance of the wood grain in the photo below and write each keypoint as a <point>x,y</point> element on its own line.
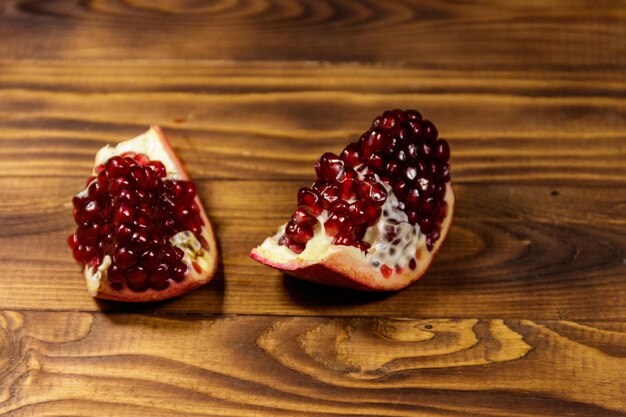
<point>514,251</point>
<point>71,363</point>
<point>523,313</point>
<point>263,121</point>
<point>572,35</point>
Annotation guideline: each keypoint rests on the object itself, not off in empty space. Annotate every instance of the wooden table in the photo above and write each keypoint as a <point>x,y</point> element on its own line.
<point>524,312</point>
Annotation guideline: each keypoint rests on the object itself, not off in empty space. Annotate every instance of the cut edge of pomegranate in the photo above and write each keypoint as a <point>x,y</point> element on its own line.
<point>348,266</point>
<point>156,146</point>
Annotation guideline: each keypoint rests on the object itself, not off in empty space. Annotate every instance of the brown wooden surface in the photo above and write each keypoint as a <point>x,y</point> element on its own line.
<point>524,311</point>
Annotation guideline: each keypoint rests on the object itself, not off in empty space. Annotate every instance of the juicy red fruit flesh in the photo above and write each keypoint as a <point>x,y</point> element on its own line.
<point>400,150</point>
<point>130,212</point>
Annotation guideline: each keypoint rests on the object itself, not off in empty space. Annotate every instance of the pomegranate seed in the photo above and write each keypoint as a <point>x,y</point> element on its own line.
<point>295,247</point>
<point>158,168</point>
<point>387,121</point>
<point>376,161</point>
<point>426,187</point>
<point>103,179</point>
<point>329,194</point>
<point>346,185</point>
<point>137,278</point>
<point>393,169</point>
<point>115,275</point>
<point>337,222</point>
<point>400,189</point>
<point>124,213</point>
<point>158,277</point>
<point>150,258</point>
<point>344,240</point>
<point>356,212</point>
<point>372,213</point>
<point>411,152</point>
<point>413,216</point>
<point>442,150</point>
<point>178,272</point>
<point>399,114</point>
<point>428,205</point>
<point>365,171</point>
<point>443,210</point>
<point>91,232</point>
<point>78,202</point>
<point>142,159</point>
<point>94,189</point>
<point>403,134</point>
<point>309,200</point>
<point>117,184</point>
<point>90,210</point>
<point>426,225</point>
<point>417,127</point>
<point>351,155</point>
<point>430,131</point>
<point>139,240</point>
<point>303,218</point>
<point>338,205</point>
<point>440,191</point>
<point>373,142</point>
<point>413,115</point>
<point>124,258</point>
<point>72,241</point>
<point>410,173</point>
<point>363,246</point>
<point>152,182</point>
<point>298,233</point>
<point>412,264</point>
<point>117,167</point>
<point>413,198</point>
<point>160,272</point>
<point>126,195</point>
<point>372,192</point>
<point>190,192</point>
<point>386,271</point>
<point>329,167</point>
<point>425,149</point>
<point>89,255</point>
<point>138,175</point>
<point>446,172</point>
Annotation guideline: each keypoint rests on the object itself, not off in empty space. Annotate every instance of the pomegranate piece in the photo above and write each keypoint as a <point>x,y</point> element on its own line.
<point>142,234</point>
<point>376,214</point>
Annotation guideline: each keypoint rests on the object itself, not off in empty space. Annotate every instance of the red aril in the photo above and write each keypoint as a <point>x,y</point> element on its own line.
<point>376,215</point>
<point>142,234</point>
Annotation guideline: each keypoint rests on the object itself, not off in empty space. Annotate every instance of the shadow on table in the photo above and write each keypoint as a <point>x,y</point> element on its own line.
<point>309,294</point>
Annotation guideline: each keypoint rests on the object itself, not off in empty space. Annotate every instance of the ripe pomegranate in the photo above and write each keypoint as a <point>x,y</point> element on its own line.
<point>376,214</point>
<point>142,233</point>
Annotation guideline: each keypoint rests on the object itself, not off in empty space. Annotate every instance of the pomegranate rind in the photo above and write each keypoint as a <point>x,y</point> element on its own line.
<point>349,267</point>
<point>154,142</point>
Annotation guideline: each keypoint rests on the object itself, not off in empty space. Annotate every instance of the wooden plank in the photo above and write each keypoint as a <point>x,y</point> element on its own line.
<point>272,121</point>
<point>514,251</point>
<point>443,34</point>
<point>72,363</point>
